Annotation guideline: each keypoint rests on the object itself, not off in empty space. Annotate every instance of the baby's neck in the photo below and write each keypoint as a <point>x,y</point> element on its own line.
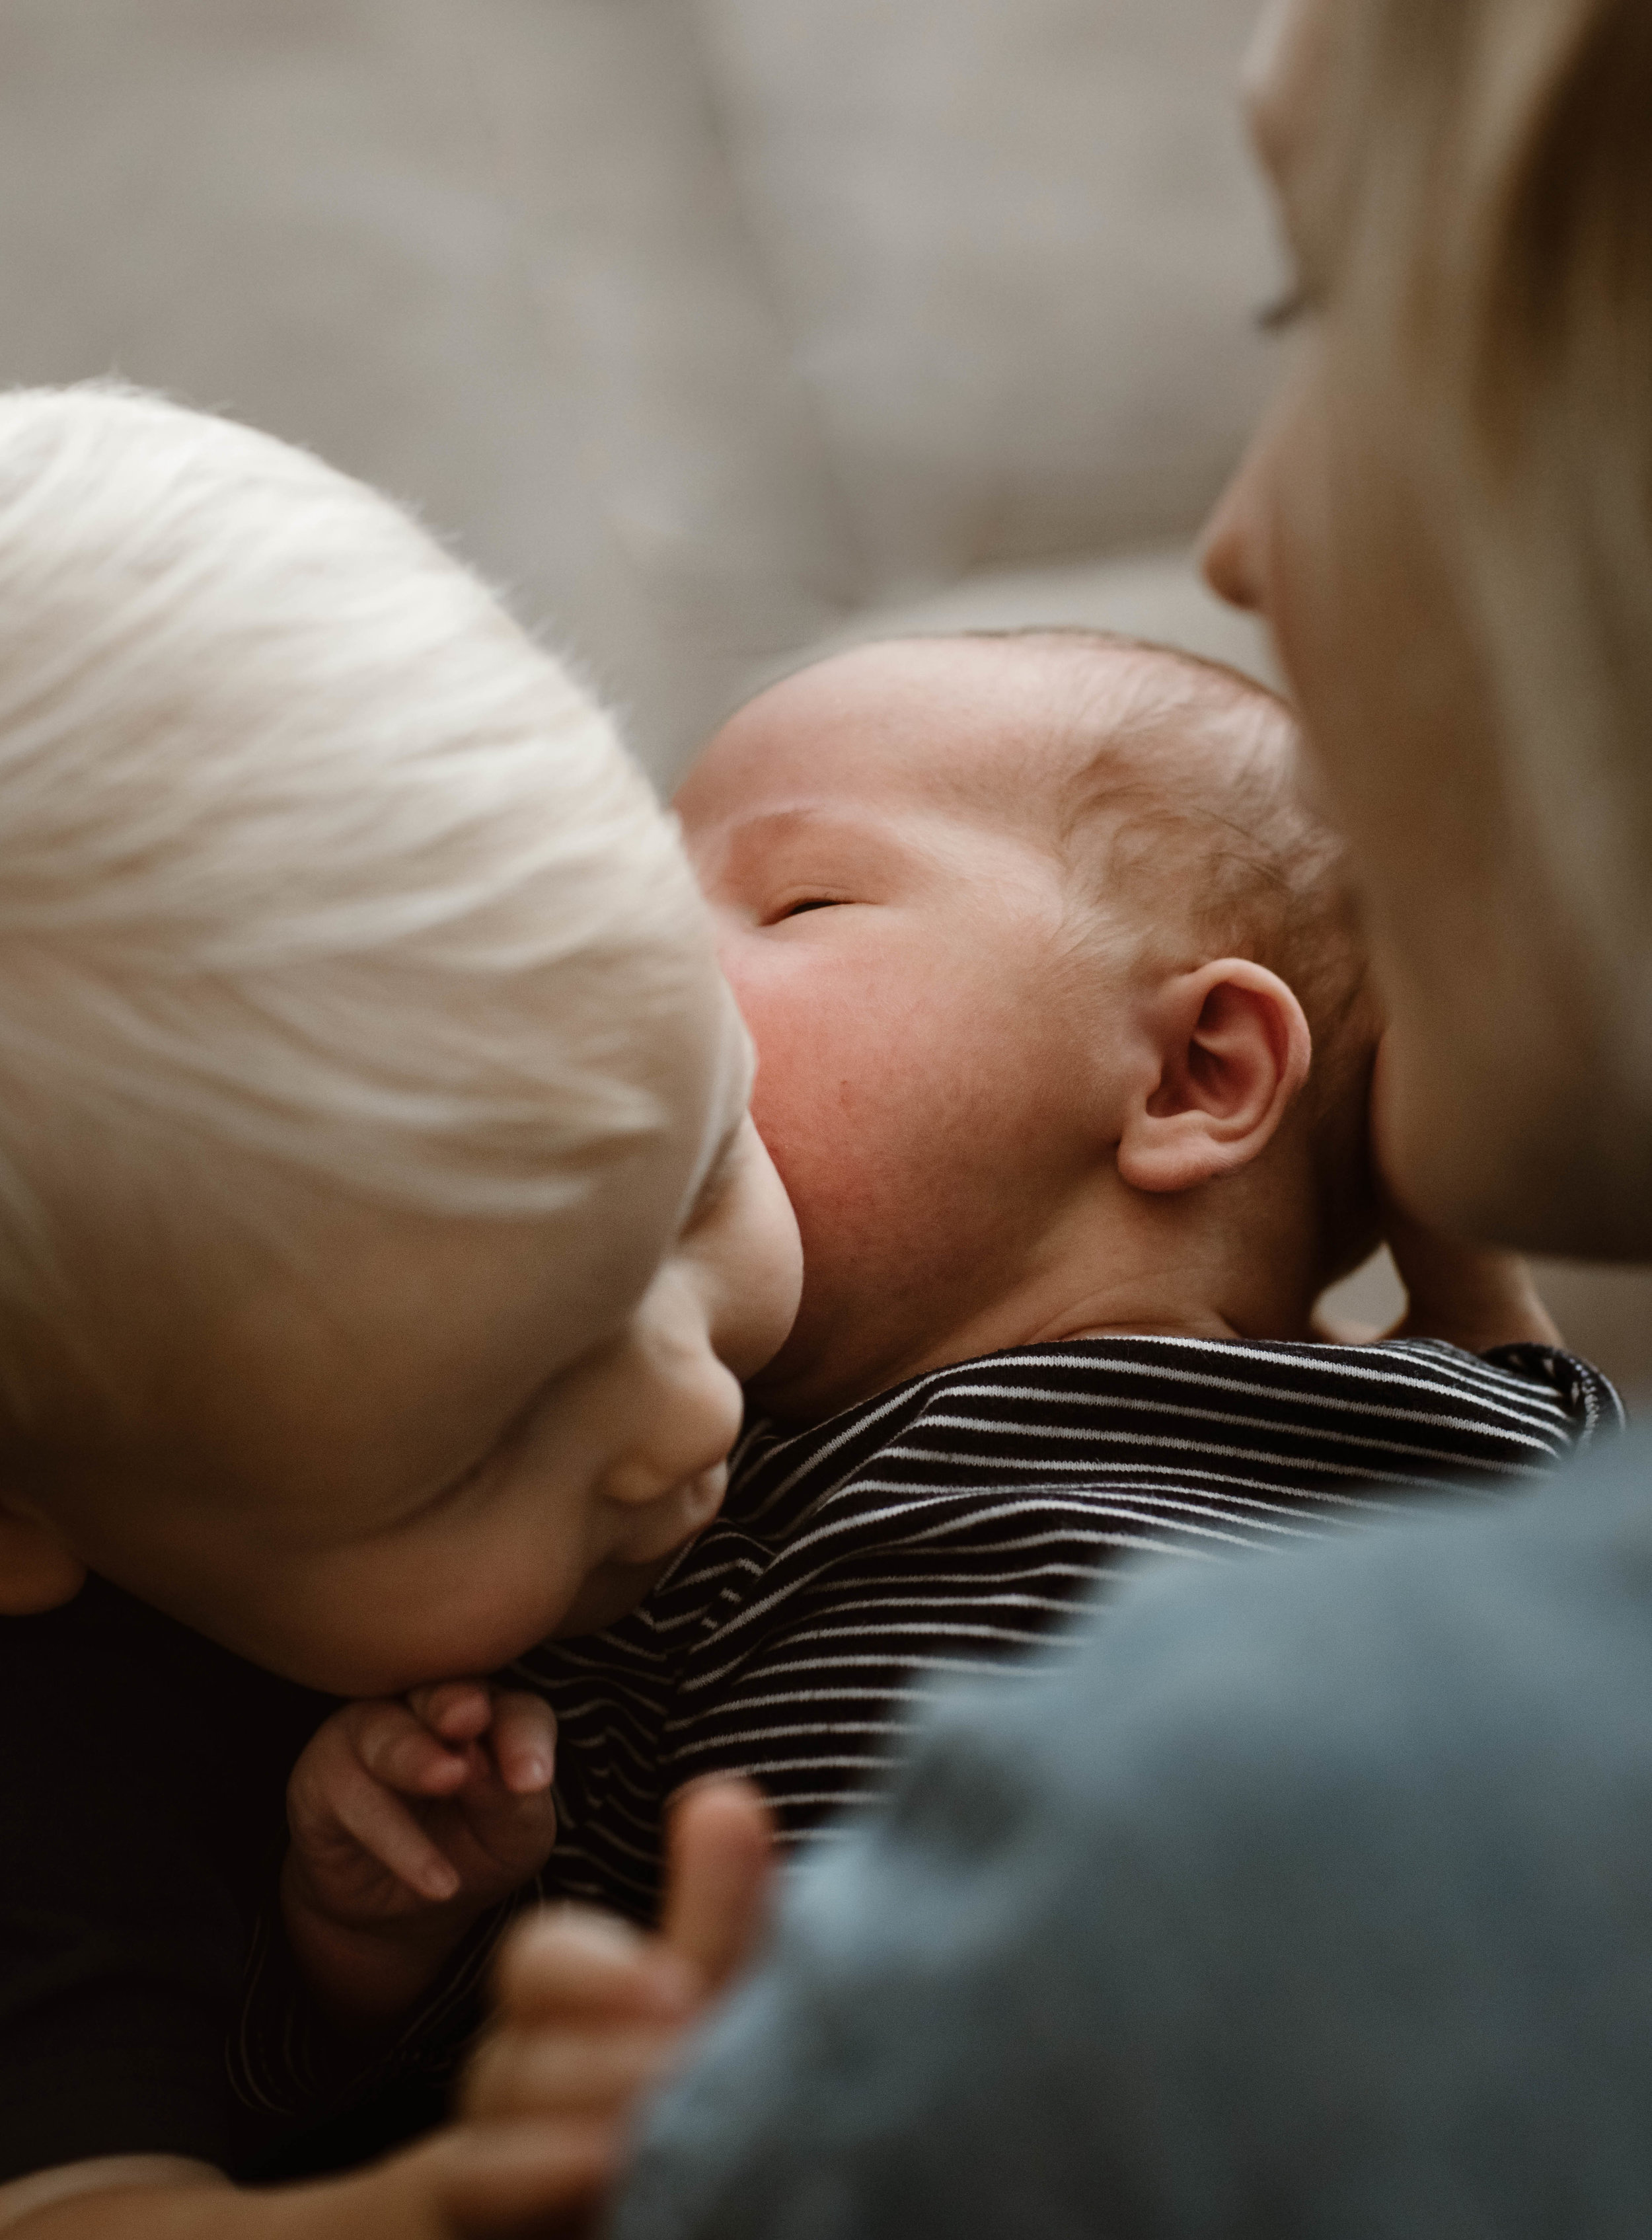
<point>1172,1277</point>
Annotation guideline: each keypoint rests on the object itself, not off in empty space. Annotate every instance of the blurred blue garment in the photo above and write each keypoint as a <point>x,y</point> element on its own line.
<point>1310,1897</point>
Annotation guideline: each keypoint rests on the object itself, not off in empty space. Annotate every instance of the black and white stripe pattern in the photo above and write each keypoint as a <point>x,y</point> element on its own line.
<point>957,1520</point>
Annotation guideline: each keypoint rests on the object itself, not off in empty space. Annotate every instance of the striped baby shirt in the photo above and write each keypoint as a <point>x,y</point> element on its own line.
<point>961,1519</point>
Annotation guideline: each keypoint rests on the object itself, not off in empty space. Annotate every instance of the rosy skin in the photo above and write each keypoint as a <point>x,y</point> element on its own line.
<point>985,1145</point>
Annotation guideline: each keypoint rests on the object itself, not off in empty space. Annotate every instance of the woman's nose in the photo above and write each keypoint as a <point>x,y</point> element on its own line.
<point>1227,550</point>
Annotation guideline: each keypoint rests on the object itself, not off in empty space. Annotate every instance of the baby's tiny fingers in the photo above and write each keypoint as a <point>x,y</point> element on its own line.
<point>458,1710</point>
<point>525,1742</point>
<point>404,1756</point>
<point>384,1827</point>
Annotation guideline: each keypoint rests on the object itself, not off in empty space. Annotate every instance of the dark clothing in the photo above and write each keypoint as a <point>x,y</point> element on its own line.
<point>144,1777</point>
<point>957,1520</point>
<point>1310,1899</point>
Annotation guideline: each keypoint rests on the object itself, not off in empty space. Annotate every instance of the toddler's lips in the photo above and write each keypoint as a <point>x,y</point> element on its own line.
<point>702,1497</point>
<point>697,1503</point>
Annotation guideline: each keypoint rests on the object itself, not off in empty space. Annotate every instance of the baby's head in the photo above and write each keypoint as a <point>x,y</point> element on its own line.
<point>1035,938</point>
<point>381,1236</point>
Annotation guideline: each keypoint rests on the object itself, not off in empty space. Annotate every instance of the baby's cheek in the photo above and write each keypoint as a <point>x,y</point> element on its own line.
<point>886,1090</point>
<point>859,1153</point>
<point>808,1060</point>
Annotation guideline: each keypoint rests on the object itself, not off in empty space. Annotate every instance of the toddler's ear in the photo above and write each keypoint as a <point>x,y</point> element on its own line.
<point>38,1569</point>
<point>1234,1048</point>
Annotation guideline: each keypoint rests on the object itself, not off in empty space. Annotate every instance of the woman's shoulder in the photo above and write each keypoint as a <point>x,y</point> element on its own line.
<point>1309,1869</point>
<point>1457,1644</point>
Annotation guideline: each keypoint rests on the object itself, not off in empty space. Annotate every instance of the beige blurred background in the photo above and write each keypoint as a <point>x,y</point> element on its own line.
<point>713,330</point>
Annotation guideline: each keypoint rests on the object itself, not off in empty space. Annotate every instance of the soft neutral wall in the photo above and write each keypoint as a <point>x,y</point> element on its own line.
<point>703,325</point>
<point>484,252</point>
<point>1017,246</point>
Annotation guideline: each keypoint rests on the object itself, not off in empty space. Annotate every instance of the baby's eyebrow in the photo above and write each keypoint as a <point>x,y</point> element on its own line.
<point>805,818</point>
<point>759,844</point>
<point>792,813</point>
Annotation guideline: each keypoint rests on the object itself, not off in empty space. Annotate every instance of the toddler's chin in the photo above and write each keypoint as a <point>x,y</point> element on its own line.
<point>672,1522</point>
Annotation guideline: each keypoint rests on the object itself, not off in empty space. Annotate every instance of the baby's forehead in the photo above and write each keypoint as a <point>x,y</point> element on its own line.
<point>1040,733</point>
<point>1071,724</point>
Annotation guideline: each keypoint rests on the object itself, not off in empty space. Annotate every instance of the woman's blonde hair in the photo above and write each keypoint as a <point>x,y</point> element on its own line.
<point>1488,199</point>
<point>307,852</point>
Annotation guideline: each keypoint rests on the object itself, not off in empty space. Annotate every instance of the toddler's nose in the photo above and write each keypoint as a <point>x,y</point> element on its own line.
<point>694,1421</point>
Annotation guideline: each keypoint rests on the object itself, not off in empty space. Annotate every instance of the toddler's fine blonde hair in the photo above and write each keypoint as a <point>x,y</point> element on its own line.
<point>308,853</point>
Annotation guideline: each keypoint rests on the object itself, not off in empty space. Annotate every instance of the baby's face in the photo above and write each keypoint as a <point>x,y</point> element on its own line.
<point>427,1445</point>
<point>876,836</point>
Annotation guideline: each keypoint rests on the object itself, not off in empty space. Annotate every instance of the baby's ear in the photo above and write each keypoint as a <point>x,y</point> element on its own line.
<point>1234,1048</point>
<point>38,1569</point>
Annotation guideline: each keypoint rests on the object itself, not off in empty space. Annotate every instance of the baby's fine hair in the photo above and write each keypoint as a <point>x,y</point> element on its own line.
<point>1191,787</point>
<point>307,851</point>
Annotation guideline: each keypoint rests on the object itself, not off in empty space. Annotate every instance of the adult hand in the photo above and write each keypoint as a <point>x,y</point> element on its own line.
<point>591,2010</point>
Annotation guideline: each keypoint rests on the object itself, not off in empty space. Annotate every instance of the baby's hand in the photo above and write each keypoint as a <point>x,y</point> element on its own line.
<point>409,1820</point>
<point>591,2011</point>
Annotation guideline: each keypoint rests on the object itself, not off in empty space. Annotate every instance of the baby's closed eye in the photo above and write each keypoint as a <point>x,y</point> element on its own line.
<point>806,902</point>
